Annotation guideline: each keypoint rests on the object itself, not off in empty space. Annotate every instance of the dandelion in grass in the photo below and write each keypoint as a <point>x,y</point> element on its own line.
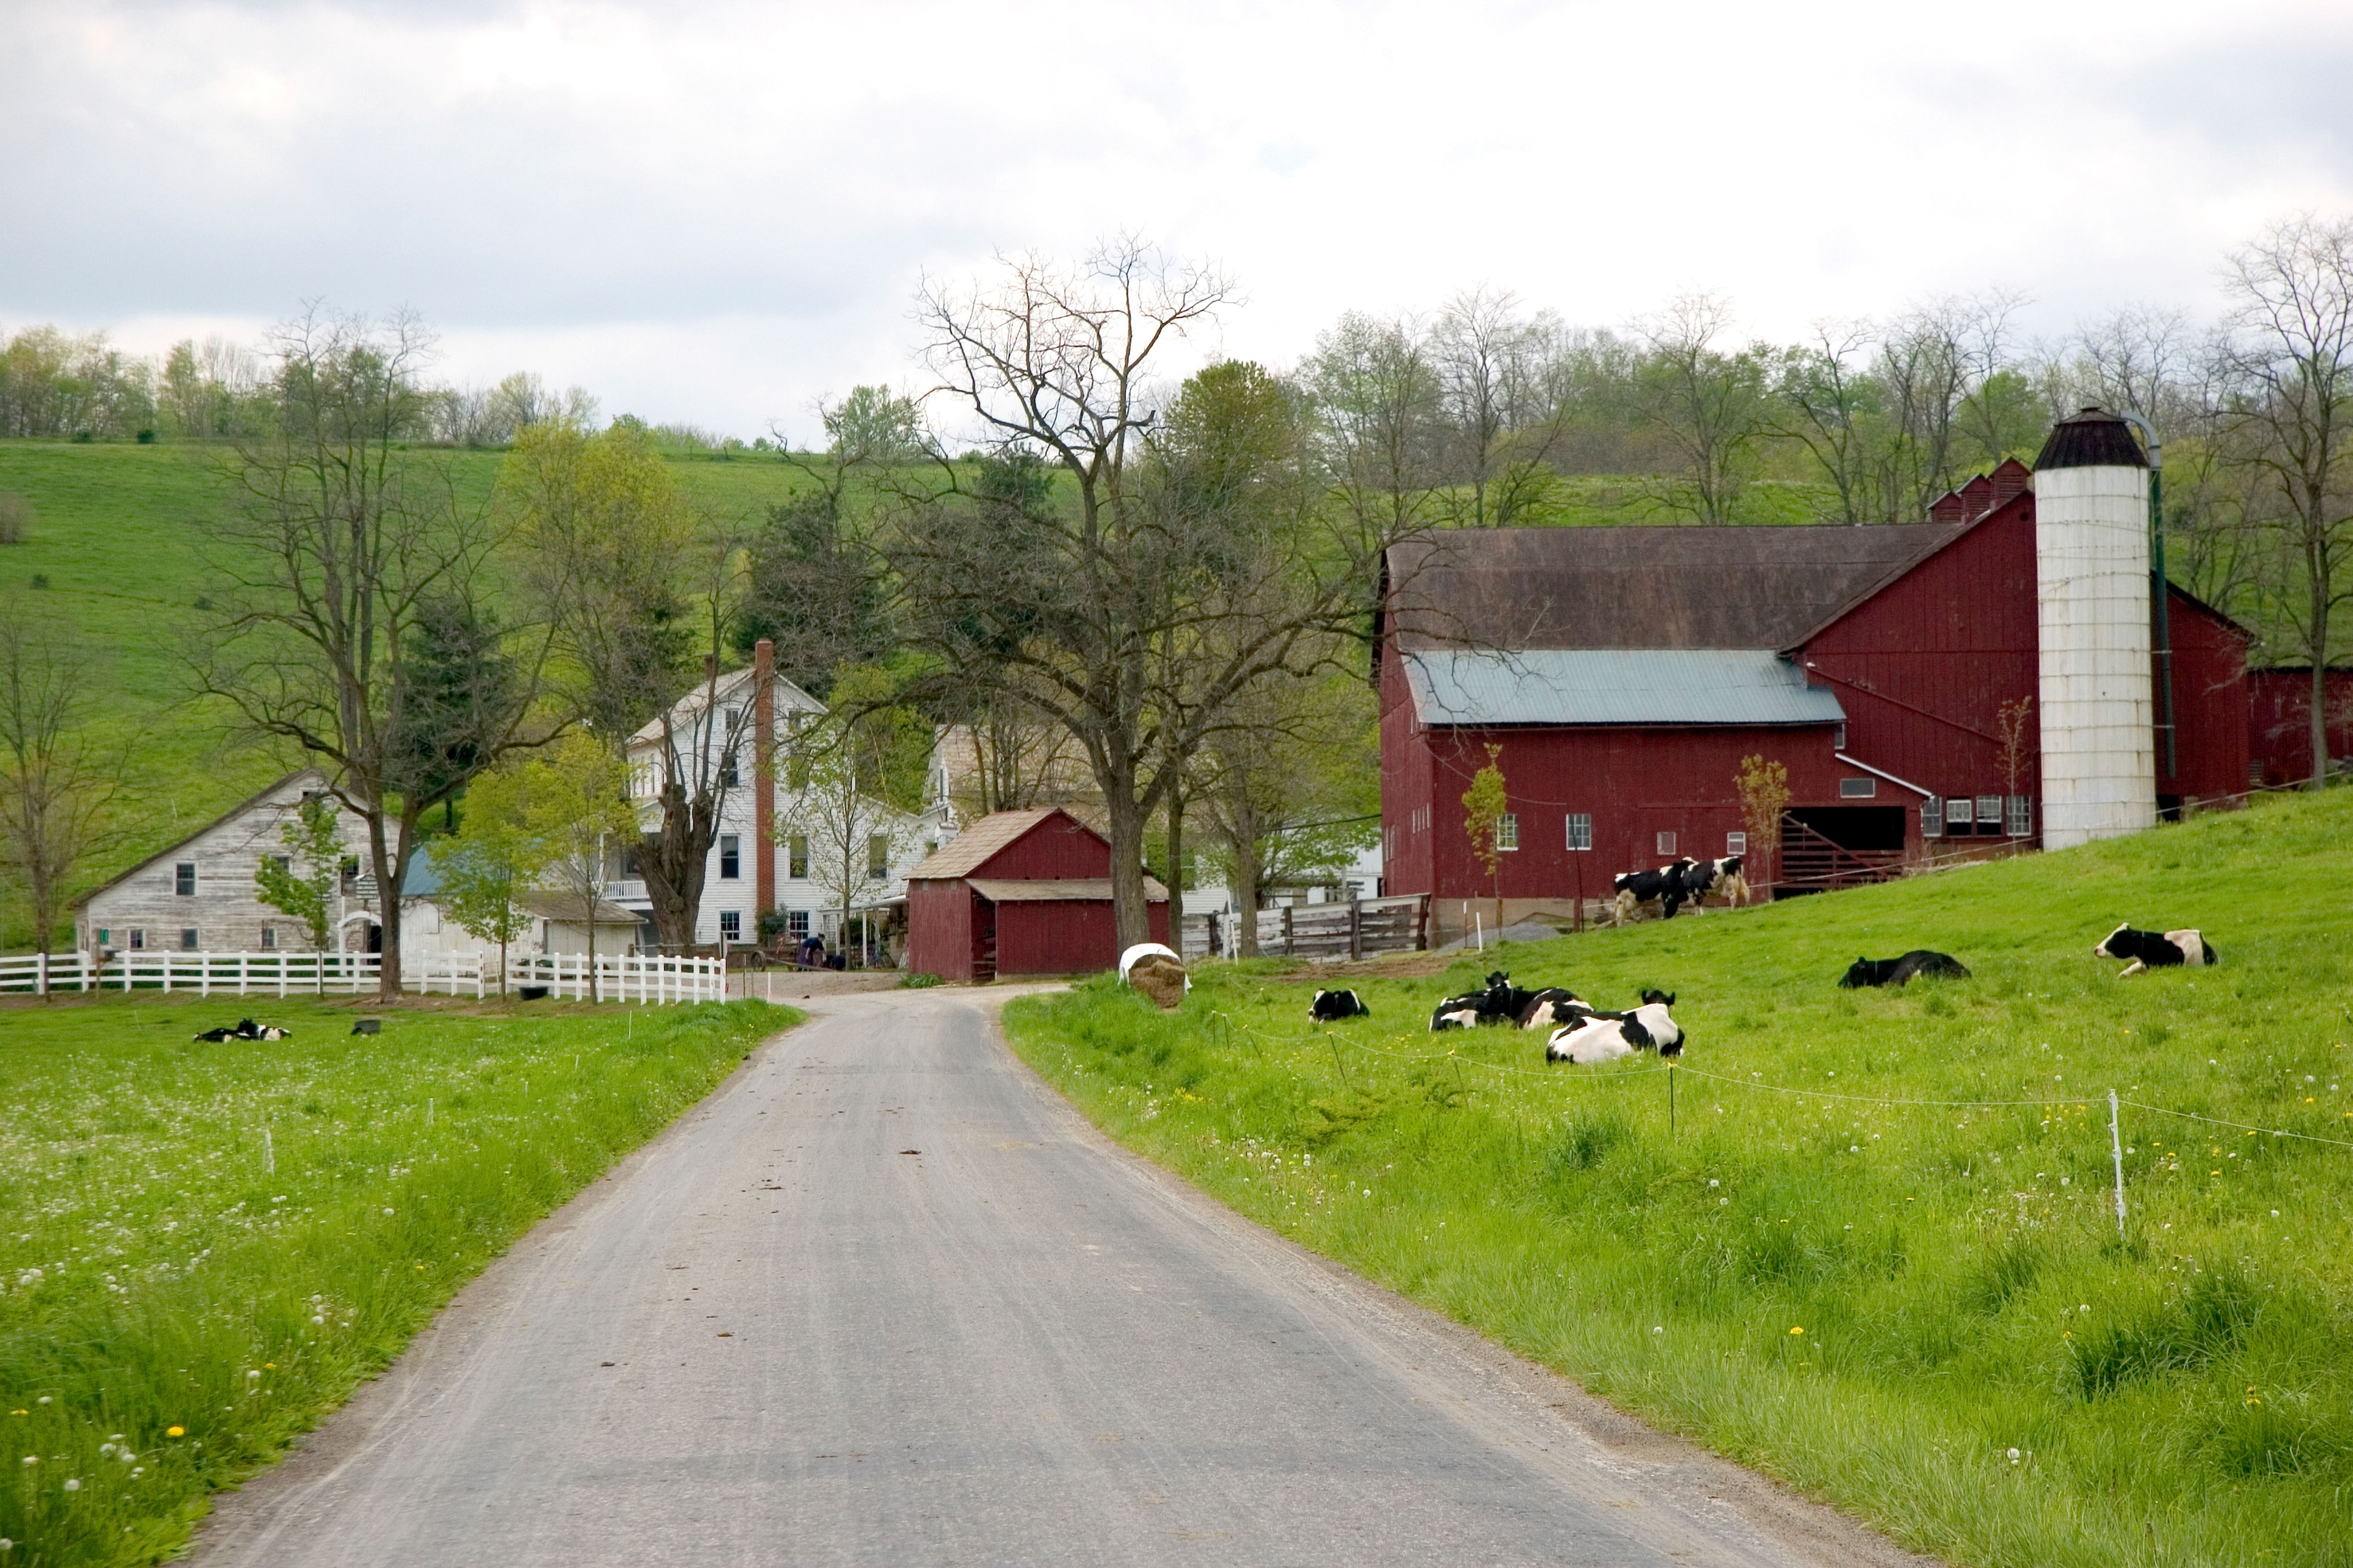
<point>73,1484</point>
<point>175,1431</point>
<point>1796,1329</point>
<point>2013,1456</point>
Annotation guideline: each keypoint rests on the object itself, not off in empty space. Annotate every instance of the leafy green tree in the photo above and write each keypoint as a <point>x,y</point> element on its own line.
<point>492,860</point>
<point>1485,804</point>
<point>302,881</point>
<point>462,691</point>
<point>573,801</point>
<point>811,588</point>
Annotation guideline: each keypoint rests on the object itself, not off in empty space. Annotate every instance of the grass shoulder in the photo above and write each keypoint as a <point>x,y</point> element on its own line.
<point>207,1246</point>
<point>1868,1245</point>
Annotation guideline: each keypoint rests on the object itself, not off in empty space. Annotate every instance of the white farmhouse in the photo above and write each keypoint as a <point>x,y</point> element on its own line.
<point>199,894</point>
<point>754,867</point>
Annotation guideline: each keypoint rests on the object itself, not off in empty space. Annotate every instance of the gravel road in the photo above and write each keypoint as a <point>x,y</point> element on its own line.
<point>885,1298</point>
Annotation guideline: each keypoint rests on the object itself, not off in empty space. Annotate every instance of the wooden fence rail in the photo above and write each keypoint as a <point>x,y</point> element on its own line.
<point>1352,929</point>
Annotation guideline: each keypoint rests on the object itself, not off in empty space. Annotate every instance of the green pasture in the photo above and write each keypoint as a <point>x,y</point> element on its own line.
<point>1865,1242</point>
<point>205,1247</point>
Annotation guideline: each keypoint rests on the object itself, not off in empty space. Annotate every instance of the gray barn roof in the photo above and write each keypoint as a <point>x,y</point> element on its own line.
<point>1616,686</point>
<point>1675,588</point>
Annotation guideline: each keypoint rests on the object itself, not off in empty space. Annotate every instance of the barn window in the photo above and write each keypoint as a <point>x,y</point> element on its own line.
<point>1931,818</point>
<point>731,925</point>
<point>187,939</point>
<point>1507,830</point>
<point>731,858</point>
<point>1957,813</point>
<point>1837,736</point>
<point>1736,844</point>
<point>796,860</point>
<point>878,856</point>
<point>1666,843</point>
<point>184,878</point>
<point>1990,811</point>
<point>796,923</point>
<point>2020,823</point>
<point>138,939</point>
<point>268,937</point>
<point>1580,830</point>
<point>1858,789</point>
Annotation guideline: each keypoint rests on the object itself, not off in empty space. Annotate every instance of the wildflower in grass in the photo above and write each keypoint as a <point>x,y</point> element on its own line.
<point>73,1484</point>
<point>175,1431</point>
<point>1794,1329</point>
<point>32,1458</point>
<point>2013,1456</point>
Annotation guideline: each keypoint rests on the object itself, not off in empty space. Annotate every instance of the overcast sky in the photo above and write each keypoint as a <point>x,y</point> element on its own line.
<point>718,214</point>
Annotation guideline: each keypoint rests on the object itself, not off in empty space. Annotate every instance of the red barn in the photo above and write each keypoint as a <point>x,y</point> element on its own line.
<point>2281,722</point>
<point>1625,672</point>
<point>1019,893</point>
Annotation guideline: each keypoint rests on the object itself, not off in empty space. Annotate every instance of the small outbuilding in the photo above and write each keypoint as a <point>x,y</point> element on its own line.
<point>1019,893</point>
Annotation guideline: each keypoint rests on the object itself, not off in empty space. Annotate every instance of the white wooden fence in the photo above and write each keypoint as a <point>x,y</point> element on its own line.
<point>652,980</point>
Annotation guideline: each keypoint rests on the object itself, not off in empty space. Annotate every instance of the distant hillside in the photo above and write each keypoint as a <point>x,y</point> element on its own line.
<point>117,550</point>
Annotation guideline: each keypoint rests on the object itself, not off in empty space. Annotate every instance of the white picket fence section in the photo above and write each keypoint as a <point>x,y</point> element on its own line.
<point>651,980</point>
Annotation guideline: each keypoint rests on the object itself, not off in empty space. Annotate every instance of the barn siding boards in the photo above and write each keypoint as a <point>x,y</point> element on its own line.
<point>2280,720</point>
<point>953,926</point>
<point>225,911</point>
<point>2214,705</point>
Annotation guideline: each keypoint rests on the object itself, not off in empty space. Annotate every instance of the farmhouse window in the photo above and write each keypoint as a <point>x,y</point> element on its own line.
<point>1931,818</point>
<point>1666,843</point>
<point>796,860</point>
<point>285,863</point>
<point>1507,830</point>
<point>1858,789</point>
<point>796,923</point>
<point>268,937</point>
<point>1736,844</point>
<point>1957,811</point>
<point>727,775</point>
<point>138,939</point>
<point>184,878</point>
<point>878,856</point>
<point>1580,830</point>
<point>2020,823</point>
<point>731,858</point>
<point>731,925</point>
<point>187,939</point>
<point>1989,811</point>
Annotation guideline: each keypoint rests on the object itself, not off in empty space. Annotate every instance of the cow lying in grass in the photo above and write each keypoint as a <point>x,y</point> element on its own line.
<point>1552,1007</point>
<point>1901,970</point>
<point>1331,1007</point>
<point>246,1029</point>
<point>1502,1002</point>
<point>1611,1037</point>
<point>2156,950</point>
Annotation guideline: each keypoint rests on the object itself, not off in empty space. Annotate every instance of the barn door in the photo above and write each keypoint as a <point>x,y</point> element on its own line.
<point>983,939</point>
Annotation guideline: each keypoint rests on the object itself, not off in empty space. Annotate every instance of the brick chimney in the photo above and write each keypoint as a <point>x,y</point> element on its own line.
<point>764,778</point>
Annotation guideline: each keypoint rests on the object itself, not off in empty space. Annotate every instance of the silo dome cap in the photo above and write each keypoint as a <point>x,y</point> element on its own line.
<point>2094,438</point>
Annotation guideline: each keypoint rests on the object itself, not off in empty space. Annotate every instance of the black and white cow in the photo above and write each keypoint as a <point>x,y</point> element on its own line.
<point>246,1029</point>
<point>1501,1003</point>
<point>1709,877</point>
<point>1903,971</point>
<point>1454,1013</point>
<point>2156,950</point>
<point>1553,1006</point>
<point>1331,1007</point>
<point>1610,1036</point>
<point>1665,887</point>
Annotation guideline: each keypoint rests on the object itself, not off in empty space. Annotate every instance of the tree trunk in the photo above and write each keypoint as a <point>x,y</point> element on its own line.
<point>1131,916</point>
<point>1244,851</point>
<point>1176,857</point>
<point>674,862</point>
<point>386,859</point>
<point>2319,696</point>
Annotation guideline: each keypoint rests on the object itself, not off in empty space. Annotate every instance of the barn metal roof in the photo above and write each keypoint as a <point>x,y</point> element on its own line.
<point>1616,686</point>
<point>973,848</point>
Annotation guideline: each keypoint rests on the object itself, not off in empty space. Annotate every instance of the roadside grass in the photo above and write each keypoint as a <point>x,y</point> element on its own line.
<point>1922,1312</point>
<point>204,1248</point>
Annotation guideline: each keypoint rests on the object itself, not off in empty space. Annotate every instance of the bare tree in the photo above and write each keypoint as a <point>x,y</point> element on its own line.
<point>1829,405</point>
<point>1068,577</point>
<point>344,547</point>
<point>1708,403</point>
<point>2289,356</point>
<point>56,781</point>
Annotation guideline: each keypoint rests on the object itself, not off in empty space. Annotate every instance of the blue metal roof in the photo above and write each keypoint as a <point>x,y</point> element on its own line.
<point>1616,686</point>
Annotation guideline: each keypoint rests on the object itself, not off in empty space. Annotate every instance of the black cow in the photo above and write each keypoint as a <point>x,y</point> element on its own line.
<point>1668,887</point>
<point>2156,950</point>
<point>1901,970</point>
<point>1331,1007</point>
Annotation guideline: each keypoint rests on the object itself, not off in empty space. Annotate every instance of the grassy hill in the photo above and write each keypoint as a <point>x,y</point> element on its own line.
<point>118,551</point>
<point>1875,1252</point>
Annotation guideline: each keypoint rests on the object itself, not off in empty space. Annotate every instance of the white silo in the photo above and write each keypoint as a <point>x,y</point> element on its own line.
<point>2091,592</point>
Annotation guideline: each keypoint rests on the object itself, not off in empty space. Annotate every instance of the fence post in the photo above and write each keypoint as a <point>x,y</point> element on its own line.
<point>2117,1148</point>
<point>41,974</point>
<point>1286,930</point>
<point>1355,928</point>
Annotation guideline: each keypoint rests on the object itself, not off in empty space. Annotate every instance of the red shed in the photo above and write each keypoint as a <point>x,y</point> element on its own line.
<point>1019,893</point>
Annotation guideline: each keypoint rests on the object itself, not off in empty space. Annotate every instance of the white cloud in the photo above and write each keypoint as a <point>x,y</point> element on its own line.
<point>716,213</point>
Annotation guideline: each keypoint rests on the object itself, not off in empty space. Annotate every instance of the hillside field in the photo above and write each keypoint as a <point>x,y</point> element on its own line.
<point>1875,1252</point>
<point>119,542</point>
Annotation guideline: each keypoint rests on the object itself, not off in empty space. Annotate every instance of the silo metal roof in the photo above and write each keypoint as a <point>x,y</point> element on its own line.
<point>1616,686</point>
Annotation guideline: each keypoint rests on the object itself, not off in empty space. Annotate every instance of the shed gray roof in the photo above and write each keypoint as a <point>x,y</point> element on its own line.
<point>1616,686</point>
<point>1060,890</point>
<point>1649,587</point>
